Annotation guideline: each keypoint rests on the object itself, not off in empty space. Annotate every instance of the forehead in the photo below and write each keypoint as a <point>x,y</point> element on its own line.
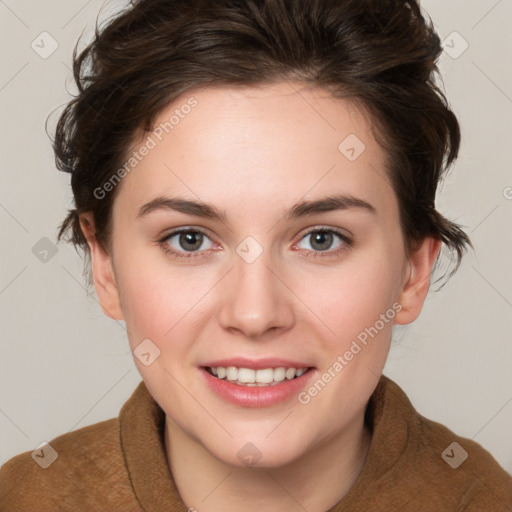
<point>271,143</point>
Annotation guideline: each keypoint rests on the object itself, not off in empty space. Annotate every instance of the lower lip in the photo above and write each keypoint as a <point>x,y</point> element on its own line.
<point>257,396</point>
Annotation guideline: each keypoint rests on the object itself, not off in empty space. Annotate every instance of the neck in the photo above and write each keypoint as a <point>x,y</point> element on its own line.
<point>332,466</point>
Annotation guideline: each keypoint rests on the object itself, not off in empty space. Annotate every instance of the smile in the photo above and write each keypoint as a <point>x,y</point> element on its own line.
<point>241,386</point>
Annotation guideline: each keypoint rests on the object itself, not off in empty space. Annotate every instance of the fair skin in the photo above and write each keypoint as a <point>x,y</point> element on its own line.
<point>253,153</point>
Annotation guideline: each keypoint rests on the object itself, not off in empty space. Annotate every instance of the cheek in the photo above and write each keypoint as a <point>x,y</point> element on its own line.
<point>159,301</point>
<point>147,296</point>
<point>359,310</point>
<point>359,304</point>
<point>358,293</point>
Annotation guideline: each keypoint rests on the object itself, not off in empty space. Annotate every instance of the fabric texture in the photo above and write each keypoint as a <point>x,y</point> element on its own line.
<point>121,465</point>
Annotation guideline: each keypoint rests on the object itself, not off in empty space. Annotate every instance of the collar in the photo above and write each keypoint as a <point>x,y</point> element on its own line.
<point>142,423</point>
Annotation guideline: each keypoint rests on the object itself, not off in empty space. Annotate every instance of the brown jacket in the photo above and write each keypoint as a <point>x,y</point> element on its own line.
<point>120,465</point>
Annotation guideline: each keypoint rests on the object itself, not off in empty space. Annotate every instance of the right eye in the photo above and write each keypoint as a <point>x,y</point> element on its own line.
<point>188,240</point>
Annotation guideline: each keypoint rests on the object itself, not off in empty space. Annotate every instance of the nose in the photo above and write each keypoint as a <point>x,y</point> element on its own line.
<point>255,299</point>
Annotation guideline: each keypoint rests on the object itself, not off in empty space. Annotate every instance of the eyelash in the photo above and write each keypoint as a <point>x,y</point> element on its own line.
<point>347,243</point>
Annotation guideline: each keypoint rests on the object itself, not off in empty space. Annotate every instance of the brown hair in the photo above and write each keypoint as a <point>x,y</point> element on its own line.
<point>380,53</point>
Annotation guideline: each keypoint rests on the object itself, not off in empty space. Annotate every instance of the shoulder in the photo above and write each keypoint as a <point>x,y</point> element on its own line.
<point>450,471</point>
<point>467,471</point>
<point>77,469</point>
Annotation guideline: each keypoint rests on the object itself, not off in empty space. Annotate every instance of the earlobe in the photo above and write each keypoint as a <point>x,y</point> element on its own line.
<point>103,272</point>
<point>417,280</point>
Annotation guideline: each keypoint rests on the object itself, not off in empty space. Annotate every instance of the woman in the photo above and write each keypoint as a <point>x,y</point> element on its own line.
<point>254,185</point>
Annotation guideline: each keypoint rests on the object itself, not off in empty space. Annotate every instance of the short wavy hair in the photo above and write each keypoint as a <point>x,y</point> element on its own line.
<point>380,53</point>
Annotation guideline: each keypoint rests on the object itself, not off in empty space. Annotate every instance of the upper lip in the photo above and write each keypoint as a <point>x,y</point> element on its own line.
<point>257,364</point>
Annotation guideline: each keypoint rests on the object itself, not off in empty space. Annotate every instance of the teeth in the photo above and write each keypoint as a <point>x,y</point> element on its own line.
<point>264,376</point>
<point>245,375</point>
<point>231,373</point>
<point>280,373</point>
<point>251,377</point>
<point>290,373</point>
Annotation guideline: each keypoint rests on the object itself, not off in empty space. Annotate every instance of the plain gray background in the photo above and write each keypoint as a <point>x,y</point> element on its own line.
<point>65,365</point>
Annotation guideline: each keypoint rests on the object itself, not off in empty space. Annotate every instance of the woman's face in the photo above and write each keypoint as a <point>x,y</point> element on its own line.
<point>267,276</point>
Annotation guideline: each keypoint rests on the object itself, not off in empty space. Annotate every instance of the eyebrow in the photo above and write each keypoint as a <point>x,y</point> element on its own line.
<point>298,210</point>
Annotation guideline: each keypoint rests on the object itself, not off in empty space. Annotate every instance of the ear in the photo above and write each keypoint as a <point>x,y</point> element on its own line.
<point>417,280</point>
<point>102,269</point>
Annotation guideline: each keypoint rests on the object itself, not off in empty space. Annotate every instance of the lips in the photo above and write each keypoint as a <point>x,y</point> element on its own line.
<point>256,394</point>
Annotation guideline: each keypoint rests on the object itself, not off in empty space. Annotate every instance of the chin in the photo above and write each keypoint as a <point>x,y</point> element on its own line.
<point>258,455</point>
